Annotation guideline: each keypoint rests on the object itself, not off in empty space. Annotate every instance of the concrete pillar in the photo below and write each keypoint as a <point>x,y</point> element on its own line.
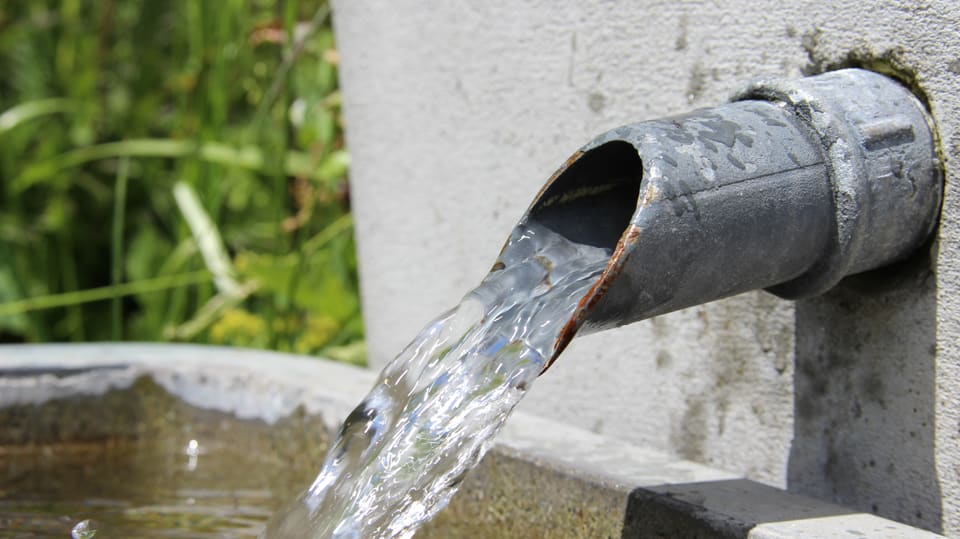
<point>458,111</point>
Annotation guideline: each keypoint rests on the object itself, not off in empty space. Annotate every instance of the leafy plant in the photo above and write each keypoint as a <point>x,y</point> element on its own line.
<point>175,171</point>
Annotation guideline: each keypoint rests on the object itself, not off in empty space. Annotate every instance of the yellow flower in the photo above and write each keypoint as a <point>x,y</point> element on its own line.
<point>237,326</point>
<point>318,332</point>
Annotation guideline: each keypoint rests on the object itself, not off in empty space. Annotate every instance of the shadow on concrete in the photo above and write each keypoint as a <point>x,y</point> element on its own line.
<point>865,387</point>
<point>715,509</point>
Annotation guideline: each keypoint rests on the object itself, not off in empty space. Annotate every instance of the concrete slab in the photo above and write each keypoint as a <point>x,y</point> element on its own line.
<point>542,479</point>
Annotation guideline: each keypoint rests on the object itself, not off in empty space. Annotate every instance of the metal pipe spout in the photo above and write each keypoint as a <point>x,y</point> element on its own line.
<point>792,186</point>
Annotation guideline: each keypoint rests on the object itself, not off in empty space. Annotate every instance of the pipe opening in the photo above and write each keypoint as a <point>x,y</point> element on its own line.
<point>594,199</point>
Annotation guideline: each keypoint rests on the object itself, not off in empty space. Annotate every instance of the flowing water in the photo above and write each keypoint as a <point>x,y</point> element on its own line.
<point>402,453</point>
<point>399,457</point>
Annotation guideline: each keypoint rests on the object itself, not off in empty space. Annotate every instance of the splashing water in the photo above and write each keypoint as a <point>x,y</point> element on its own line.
<point>402,453</point>
<point>85,529</point>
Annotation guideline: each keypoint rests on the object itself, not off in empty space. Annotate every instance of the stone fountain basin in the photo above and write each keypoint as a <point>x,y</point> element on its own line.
<point>543,479</point>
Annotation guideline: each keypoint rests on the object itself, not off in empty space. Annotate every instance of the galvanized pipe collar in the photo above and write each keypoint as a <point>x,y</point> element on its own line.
<point>879,150</point>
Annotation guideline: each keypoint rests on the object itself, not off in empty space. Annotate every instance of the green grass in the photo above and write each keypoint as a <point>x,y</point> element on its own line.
<point>175,171</point>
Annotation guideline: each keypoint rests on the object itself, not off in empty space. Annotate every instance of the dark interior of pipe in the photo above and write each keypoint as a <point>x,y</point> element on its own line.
<point>593,200</point>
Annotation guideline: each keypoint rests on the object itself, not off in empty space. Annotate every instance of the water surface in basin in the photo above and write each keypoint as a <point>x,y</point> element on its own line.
<point>139,463</point>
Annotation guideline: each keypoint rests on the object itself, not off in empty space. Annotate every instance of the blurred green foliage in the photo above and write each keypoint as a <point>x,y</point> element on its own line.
<point>174,170</point>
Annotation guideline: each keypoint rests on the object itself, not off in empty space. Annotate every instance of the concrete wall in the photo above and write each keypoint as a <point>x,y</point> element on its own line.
<point>458,111</point>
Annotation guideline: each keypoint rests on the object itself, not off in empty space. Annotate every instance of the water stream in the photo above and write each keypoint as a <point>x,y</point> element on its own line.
<point>404,450</point>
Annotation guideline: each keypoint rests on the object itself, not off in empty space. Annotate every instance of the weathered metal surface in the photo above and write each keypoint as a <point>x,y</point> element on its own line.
<point>793,186</point>
<point>882,163</point>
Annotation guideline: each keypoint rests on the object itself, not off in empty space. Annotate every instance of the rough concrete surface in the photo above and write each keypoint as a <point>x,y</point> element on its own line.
<point>543,478</point>
<point>458,111</point>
